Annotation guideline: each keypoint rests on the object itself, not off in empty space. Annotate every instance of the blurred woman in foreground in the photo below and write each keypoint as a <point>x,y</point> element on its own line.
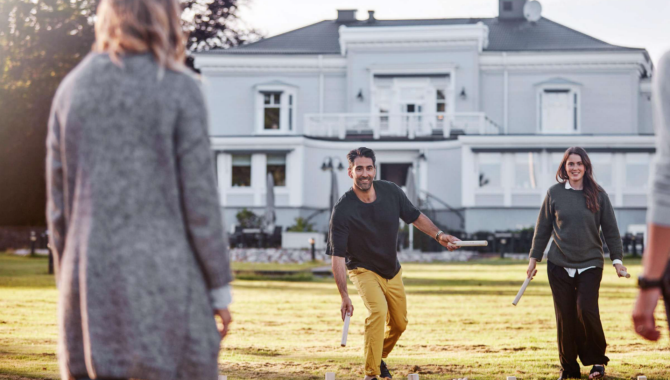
<point>142,265</point>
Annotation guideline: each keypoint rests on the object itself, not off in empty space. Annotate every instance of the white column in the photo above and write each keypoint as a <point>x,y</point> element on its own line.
<point>505,95</point>
<point>619,178</point>
<point>469,177</point>
<point>258,180</point>
<point>295,169</point>
<point>223,175</point>
<point>321,81</point>
<point>507,172</point>
<point>423,175</point>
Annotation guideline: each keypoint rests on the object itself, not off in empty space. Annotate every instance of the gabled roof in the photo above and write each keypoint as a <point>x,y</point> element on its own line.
<point>504,35</point>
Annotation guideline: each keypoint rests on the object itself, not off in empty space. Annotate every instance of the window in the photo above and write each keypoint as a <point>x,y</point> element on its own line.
<point>276,166</point>
<point>637,170</point>
<point>601,164</point>
<point>241,170</point>
<point>526,170</point>
<point>276,104</point>
<point>271,111</point>
<point>290,112</point>
<point>440,104</point>
<point>396,173</point>
<point>558,107</point>
<point>489,165</point>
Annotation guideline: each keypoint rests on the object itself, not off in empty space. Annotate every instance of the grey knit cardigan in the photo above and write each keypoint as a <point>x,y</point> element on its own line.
<point>135,223</point>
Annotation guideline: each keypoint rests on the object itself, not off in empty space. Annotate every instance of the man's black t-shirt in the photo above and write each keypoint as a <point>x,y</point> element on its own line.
<point>366,233</point>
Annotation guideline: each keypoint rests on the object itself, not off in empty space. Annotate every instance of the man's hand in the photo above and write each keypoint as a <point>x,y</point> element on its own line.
<point>643,314</point>
<point>226,320</point>
<point>619,268</point>
<point>347,307</point>
<point>532,264</point>
<point>445,239</point>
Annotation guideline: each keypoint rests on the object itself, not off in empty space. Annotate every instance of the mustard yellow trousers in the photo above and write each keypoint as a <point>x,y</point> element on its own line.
<point>387,314</point>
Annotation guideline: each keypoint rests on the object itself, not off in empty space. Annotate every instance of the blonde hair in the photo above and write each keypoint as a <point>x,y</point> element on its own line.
<point>135,26</point>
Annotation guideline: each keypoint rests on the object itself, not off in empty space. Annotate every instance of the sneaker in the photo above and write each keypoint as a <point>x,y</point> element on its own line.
<point>385,374</point>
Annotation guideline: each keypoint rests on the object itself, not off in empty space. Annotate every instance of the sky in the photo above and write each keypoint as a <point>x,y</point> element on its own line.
<point>635,23</point>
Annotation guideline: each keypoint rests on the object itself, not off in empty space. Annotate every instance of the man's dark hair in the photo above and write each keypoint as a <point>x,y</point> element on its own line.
<point>361,152</point>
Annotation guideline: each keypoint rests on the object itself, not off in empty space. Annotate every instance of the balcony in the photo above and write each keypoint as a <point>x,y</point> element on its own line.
<point>404,125</point>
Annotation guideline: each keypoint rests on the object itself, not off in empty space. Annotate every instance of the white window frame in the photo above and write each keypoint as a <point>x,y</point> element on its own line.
<point>285,168</point>
<point>539,188</point>
<point>637,158</point>
<point>258,184</point>
<point>573,89</point>
<point>448,70</point>
<point>286,91</point>
<point>604,158</point>
<point>490,158</point>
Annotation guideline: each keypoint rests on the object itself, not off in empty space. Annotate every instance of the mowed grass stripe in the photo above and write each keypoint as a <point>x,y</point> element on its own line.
<point>461,324</point>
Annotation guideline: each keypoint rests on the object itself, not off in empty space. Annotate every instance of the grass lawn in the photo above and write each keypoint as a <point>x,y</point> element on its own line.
<point>461,324</point>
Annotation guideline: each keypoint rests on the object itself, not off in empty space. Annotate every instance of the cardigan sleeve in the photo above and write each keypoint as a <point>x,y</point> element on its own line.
<point>658,211</point>
<point>543,228</point>
<point>199,194</point>
<point>56,222</point>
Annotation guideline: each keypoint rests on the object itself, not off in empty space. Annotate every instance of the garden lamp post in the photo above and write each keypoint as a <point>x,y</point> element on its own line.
<point>33,241</point>
<point>311,244</point>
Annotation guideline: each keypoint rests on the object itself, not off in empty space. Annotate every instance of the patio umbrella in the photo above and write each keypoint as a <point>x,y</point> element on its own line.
<point>410,189</point>
<point>269,217</point>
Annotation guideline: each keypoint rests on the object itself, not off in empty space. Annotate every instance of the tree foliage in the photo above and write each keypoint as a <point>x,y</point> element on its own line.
<point>40,42</point>
<point>215,24</point>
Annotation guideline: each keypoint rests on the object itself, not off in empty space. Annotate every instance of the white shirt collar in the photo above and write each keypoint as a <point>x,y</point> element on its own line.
<point>567,185</point>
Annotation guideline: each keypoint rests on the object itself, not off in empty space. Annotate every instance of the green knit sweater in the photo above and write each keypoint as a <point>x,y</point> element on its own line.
<point>575,229</point>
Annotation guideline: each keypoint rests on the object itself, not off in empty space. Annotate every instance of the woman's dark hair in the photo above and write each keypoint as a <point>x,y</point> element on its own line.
<point>361,152</point>
<point>591,187</point>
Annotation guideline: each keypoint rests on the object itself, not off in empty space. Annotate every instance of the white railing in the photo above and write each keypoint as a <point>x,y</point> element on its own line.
<point>410,125</point>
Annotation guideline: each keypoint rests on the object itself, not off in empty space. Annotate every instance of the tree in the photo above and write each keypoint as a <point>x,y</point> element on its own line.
<point>40,42</point>
<point>214,24</point>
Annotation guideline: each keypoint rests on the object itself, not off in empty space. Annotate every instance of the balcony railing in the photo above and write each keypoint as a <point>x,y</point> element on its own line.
<point>409,125</point>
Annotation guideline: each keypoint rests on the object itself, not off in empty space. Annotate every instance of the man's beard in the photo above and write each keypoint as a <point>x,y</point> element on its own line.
<point>364,186</point>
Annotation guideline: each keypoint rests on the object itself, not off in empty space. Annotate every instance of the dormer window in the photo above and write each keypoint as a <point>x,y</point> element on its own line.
<point>275,108</point>
<point>558,106</point>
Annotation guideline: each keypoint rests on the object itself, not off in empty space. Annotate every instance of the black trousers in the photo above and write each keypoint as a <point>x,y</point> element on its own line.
<point>580,332</point>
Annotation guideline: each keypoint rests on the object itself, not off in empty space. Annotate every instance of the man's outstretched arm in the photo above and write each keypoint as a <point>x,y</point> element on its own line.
<point>427,226</point>
<point>340,274</point>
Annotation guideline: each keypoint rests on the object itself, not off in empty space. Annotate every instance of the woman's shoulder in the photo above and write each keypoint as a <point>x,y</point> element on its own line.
<point>187,84</point>
<point>554,189</point>
<point>78,74</point>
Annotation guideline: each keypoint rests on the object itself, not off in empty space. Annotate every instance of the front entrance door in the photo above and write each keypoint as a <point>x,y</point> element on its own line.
<point>396,173</point>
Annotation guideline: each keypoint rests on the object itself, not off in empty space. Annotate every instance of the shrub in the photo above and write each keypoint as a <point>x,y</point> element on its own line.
<point>301,225</point>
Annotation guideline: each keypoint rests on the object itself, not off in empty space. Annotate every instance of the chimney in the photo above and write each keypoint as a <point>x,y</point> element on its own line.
<point>371,17</point>
<point>511,9</point>
<point>346,15</point>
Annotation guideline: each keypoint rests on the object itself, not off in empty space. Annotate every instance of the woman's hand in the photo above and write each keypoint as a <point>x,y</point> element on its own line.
<point>619,268</point>
<point>226,320</point>
<point>531,271</point>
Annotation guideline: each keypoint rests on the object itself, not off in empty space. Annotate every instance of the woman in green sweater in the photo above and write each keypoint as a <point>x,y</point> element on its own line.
<point>573,213</point>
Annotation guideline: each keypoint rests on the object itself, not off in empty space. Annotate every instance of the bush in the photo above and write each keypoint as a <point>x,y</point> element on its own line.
<point>301,225</point>
<point>247,219</point>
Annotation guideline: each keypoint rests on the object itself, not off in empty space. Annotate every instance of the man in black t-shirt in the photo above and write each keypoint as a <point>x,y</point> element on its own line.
<point>363,235</point>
